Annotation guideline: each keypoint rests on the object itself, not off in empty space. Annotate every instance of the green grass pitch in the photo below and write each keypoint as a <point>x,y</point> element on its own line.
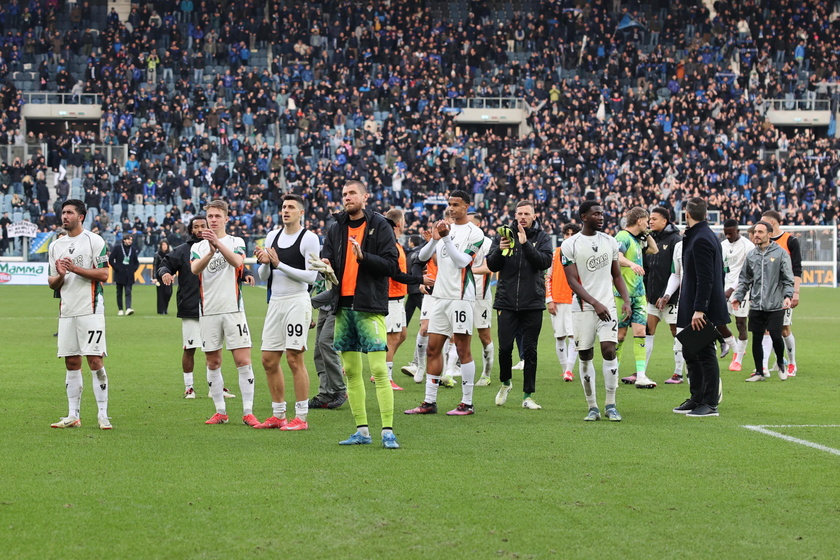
<point>504,483</point>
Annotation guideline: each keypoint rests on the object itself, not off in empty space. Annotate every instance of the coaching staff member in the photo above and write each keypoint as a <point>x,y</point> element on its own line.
<point>702,299</point>
<point>520,297</point>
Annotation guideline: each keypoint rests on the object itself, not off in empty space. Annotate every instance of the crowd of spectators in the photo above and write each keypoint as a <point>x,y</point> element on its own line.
<point>672,106</point>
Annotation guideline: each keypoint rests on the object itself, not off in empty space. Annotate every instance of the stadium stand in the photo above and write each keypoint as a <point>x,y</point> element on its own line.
<point>632,103</point>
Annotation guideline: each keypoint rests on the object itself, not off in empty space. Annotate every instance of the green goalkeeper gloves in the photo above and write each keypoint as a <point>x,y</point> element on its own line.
<point>507,233</point>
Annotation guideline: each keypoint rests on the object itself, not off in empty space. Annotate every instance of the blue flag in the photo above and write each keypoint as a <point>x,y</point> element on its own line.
<point>628,22</point>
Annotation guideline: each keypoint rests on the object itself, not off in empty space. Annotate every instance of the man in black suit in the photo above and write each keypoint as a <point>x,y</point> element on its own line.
<point>702,299</point>
<point>124,262</point>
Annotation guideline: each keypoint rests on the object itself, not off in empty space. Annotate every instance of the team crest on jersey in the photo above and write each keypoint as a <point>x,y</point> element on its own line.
<point>72,249</point>
<point>665,247</point>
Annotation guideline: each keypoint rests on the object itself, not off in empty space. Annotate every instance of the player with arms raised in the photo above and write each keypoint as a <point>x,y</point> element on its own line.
<point>217,261</point>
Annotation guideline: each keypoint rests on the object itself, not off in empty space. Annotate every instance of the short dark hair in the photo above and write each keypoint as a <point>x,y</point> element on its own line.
<point>662,212</point>
<point>522,203</point>
<point>731,222</point>
<point>297,198</point>
<point>361,185</point>
<point>80,207</point>
<point>586,206</point>
<point>696,208</point>
<point>463,195</point>
<point>416,240</point>
<point>765,224</point>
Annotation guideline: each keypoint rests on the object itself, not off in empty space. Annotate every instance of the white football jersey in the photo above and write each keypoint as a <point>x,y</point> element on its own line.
<point>734,256</point>
<point>80,296</point>
<point>482,281</point>
<point>453,282</point>
<point>219,282</point>
<point>593,255</point>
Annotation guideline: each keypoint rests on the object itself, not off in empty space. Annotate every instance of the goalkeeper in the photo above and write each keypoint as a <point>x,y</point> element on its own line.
<point>521,257</point>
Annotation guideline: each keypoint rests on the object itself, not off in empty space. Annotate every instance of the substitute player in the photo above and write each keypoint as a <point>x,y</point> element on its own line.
<point>285,268</point>
<point>217,260</point>
<point>591,260</point>
<point>558,299</point>
<point>78,267</point>
<point>177,263</point>
<point>396,321</point>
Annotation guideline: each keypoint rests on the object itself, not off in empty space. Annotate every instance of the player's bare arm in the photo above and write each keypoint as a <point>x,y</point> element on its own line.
<point>618,282</point>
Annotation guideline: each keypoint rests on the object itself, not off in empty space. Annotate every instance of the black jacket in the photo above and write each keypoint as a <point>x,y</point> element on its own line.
<point>658,266</point>
<point>124,272</point>
<point>702,279</point>
<point>178,262</point>
<point>380,262</point>
<point>521,284</point>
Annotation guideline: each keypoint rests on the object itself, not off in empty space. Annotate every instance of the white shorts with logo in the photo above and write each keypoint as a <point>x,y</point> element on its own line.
<point>427,307</point>
<point>451,316</point>
<point>230,329</point>
<point>742,311</point>
<point>587,326</point>
<point>561,321</point>
<point>483,316</point>
<point>287,322</point>
<point>82,336</point>
<point>788,319</point>
<point>668,314</point>
<point>191,333</point>
<point>395,320</point>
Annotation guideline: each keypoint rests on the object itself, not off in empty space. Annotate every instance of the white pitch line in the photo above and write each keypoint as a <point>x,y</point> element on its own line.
<point>763,430</point>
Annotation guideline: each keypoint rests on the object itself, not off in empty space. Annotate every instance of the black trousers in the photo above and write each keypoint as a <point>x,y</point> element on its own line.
<point>704,376</point>
<point>529,324</point>
<point>412,303</point>
<point>164,294</point>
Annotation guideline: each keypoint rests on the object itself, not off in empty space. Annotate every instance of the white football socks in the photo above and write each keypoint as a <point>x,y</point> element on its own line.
<point>790,344</point>
<point>246,387</point>
<point>648,349</point>
<point>278,409</point>
<point>216,384</point>
<point>488,355</point>
<point>587,379</point>
<point>188,380</point>
<point>302,409</point>
<point>610,371</point>
<point>422,348</point>
<point>74,384</point>
<point>431,388</point>
<point>560,349</point>
<point>767,349</point>
<point>571,353</point>
<point>100,390</point>
<point>390,370</point>
<point>467,382</point>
